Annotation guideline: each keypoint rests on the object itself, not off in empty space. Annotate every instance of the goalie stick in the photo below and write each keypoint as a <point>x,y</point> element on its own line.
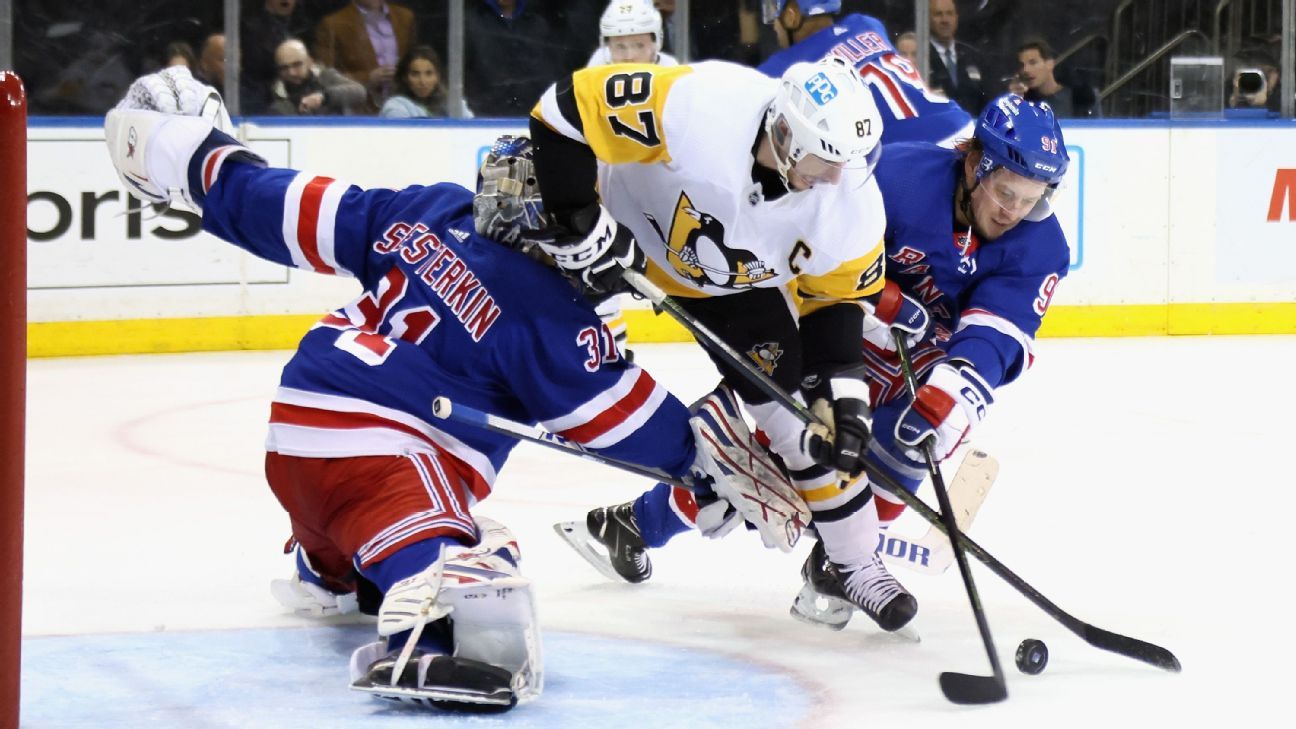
<point>930,553</point>
<point>1134,648</point>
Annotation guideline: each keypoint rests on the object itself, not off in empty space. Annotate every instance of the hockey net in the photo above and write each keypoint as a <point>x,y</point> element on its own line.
<point>13,384</point>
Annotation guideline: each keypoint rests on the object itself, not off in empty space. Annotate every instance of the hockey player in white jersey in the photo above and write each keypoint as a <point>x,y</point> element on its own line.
<point>453,302</point>
<point>754,202</point>
<point>630,31</point>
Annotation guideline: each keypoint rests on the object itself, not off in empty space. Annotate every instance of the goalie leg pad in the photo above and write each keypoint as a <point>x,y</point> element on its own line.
<point>742,473</point>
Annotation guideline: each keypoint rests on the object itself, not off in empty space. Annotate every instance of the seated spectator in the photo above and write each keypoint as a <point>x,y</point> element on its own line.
<point>310,90</point>
<point>364,40</point>
<point>955,66</point>
<point>1036,60</point>
<point>419,91</point>
<point>179,53</point>
<point>260,32</point>
<point>211,62</point>
<point>906,44</point>
<point>630,31</point>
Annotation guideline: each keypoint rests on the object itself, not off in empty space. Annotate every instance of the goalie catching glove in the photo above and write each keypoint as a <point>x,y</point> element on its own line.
<point>593,247</point>
<point>954,399</point>
<point>733,466</point>
<point>839,439</point>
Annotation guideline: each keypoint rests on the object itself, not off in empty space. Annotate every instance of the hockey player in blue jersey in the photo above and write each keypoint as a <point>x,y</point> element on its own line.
<point>811,30</point>
<point>970,234</point>
<point>453,302</point>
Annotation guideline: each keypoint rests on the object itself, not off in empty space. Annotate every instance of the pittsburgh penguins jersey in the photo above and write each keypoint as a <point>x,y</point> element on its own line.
<point>910,113</point>
<point>441,311</point>
<point>675,151</point>
<point>987,298</point>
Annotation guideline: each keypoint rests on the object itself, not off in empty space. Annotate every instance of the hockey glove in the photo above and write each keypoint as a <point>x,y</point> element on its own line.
<point>594,248</point>
<point>895,310</point>
<point>731,463</point>
<point>954,399</point>
<point>841,403</point>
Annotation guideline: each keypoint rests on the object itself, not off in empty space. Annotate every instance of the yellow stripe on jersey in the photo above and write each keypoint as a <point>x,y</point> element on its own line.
<point>621,110</point>
<point>854,279</point>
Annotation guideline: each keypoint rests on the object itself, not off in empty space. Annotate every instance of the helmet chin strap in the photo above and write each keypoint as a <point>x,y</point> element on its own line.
<point>780,165</point>
<point>964,194</point>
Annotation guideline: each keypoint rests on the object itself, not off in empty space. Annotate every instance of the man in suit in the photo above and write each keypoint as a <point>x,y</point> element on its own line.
<point>955,67</point>
<point>364,40</point>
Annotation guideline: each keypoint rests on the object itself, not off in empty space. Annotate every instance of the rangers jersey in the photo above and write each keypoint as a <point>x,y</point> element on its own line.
<point>910,113</point>
<point>675,150</point>
<point>987,298</point>
<point>443,311</point>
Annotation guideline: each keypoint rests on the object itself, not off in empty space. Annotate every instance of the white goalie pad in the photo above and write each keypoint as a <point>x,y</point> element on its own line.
<point>312,601</point>
<point>743,474</point>
<point>494,621</point>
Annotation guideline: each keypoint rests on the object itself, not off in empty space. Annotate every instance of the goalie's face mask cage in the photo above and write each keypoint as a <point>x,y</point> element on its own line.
<point>507,203</point>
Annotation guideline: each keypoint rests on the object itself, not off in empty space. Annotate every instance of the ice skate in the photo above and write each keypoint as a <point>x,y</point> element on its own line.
<point>611,542</point>
<point>831,592</point>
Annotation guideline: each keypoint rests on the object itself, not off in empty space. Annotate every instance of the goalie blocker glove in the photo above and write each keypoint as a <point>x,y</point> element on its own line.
<point>594,248</point>
<point>841,403</point>
<point>954,399</point>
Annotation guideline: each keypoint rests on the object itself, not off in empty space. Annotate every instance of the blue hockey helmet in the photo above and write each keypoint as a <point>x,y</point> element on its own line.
<point>507,203</point>
<point>770,9</point>
<point>1023,137</point>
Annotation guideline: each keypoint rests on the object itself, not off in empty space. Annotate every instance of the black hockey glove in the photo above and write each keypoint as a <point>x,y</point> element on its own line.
<point>841,402</point>
<point>594,248</point>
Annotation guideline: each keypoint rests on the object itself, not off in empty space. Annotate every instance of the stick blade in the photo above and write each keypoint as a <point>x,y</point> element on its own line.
<point>964,688</point>
<point>1139,650</point>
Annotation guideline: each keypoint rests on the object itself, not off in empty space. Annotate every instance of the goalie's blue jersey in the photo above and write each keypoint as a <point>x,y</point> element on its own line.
<point>987,298</point>
<point>443,311</point>
<point>910,113</point>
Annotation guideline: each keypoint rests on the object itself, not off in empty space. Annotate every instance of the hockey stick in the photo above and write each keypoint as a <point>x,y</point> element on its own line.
<point>932,553</point>
<point>443,408</point>
<point>1099,638</point>
<point>961,688</point>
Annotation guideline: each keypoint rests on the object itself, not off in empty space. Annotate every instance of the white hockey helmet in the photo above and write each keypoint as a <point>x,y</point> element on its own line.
<point>631,17</point>
<point>822,120</point>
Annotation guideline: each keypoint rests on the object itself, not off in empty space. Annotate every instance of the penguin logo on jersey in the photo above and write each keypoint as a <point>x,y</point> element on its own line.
<point>766,356</point>
<point>696,249</point>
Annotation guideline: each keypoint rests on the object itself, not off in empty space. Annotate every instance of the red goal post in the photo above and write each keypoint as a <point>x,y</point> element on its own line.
<point>13,383</point>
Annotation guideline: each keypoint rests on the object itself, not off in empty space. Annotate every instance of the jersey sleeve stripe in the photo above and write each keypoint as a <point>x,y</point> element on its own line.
<point>213,162</point>
<point>549,111</point>
<point>301,221</point>
<point>326,225</point>
<point>606,414</point>
<point>983,318</point>
<point>565,95</point>
<point>635,418</point>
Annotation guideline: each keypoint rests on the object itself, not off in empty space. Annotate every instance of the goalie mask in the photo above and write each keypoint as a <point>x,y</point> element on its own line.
<point>507,203</point>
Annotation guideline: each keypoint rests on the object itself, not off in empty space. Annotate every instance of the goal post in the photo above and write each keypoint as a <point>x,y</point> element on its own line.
<point>13,383</point>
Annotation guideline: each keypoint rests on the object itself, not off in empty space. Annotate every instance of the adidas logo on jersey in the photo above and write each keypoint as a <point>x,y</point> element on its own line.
<point>459,234</point>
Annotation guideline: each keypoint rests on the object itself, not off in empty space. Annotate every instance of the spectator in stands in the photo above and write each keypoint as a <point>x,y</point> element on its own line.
<point>906,44</point>
<point>511,55</point>
<point>211,62</point>
<point>419,91</point>
<point>179,53</point>
<point>307,89</point>
<point>260,33</point>
<point>955,66</point>
<point>364,40</point>
<point>1036,60</point>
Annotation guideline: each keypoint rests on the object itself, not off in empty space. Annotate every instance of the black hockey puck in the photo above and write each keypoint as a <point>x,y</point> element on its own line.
<point>1032,656</point>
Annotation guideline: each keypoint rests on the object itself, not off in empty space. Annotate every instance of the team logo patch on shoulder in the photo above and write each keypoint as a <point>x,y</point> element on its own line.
<point>766,356</point>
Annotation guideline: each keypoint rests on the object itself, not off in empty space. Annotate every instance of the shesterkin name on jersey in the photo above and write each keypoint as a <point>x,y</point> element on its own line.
<point>442,271</point>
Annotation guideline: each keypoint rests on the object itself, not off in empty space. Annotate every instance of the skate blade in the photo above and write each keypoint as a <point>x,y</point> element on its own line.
<point>436,696</point>
<point>578,536</point>
<point>815,609</point>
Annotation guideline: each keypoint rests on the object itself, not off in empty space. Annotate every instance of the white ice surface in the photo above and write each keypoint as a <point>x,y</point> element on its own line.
<point>1146,488</point>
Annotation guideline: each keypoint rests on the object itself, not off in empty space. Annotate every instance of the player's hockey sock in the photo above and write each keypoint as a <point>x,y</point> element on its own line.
<point>662,512</point>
